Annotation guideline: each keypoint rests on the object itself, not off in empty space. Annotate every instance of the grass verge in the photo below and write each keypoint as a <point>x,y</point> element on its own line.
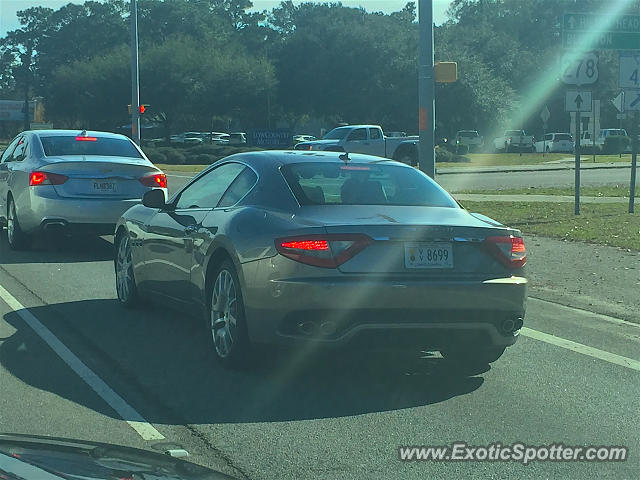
<point>181,168</point>
<point>605,224</point>
<point>509,159</point>
<point>585,191</point>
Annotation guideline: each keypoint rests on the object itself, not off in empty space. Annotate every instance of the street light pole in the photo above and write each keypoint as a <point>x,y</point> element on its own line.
<point>426,89</point>
<point>135,82</point>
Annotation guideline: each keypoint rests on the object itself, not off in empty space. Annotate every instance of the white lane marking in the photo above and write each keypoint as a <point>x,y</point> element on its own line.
<point>115,401</point>
<point>580,348</point>
<point>599,316</point>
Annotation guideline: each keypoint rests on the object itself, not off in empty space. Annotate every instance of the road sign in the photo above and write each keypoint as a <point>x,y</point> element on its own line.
<point>545,114</point>
<point>445,72</point>
<point>632,99</point>
<point>588,31</point>
<point>577,101</point>
<point>629,70</point>
<point>580,69</point>
<point>621,116</point>
<point>618,102</point>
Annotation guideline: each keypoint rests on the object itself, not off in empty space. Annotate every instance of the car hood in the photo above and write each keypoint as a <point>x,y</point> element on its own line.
<point>46,458</point>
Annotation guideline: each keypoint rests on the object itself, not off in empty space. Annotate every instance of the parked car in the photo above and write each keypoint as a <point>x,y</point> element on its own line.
<point>514,141</point>
<point>71,181</point>
<point>367,139</point>
<point>325,249</point>
<point>187,138</point>
<point>303,138</point>
<point>587,141</point>
<point>555,142</point>
<point>469,138</point>
<point>237,138</point>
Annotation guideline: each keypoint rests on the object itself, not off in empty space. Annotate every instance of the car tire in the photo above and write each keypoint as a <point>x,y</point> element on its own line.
<point>126,287</point>
<point>226,324</point>
<point>472,356</point>
<point>17,239</point>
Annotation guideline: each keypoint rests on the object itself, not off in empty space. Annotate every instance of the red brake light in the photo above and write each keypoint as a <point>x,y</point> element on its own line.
<point>43,178</point>
<point>510,251</point>
<point>158,180</point>
<point>327,251</point>
<point>86,139</point>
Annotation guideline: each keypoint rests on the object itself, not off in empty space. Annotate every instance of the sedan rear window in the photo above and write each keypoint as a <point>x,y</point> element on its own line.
<point>564,136</point>
<point>363,184</point>
<point>77,145</point>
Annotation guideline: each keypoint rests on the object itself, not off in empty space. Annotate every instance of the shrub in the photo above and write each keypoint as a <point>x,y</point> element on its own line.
<point>462,149</point>
<point>444,155</point>
<point>615,144</point>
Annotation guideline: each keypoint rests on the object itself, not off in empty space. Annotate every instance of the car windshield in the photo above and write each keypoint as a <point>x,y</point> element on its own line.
<point>337,133</point>
<point>86,145</point>
<point>361,184</point>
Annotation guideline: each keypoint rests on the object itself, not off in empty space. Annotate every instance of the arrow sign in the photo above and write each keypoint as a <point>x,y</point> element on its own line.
<point>577,101</point>
<point>618,102</point>
<point>632,99</point>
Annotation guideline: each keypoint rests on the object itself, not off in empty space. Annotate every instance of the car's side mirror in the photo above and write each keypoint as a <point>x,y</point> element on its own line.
<point>154,199</point>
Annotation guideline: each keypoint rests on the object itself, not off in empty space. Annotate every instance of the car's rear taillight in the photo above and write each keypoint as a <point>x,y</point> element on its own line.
<point>158,180</point>
<point>44,178</point>
<point>327,251</point>
<point>510,251</point>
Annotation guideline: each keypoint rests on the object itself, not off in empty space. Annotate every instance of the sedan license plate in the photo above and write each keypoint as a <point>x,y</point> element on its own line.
<point>428,255</point>
<point>100,186</point>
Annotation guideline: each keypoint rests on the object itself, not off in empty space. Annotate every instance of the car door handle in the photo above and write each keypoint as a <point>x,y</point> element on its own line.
<point>191,229</point>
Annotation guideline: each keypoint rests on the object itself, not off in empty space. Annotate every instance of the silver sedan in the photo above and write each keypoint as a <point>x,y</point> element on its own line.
<point>71,180</point>
<point>322,249</point>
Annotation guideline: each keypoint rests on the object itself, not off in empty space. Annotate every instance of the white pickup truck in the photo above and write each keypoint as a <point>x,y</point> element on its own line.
<point>514,141</point>
<point>587,141</point>
<point>367,139</point>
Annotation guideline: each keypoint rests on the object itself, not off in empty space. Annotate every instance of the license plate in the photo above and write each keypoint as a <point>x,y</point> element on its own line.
<point>428,255</point>
<point>104,187</point>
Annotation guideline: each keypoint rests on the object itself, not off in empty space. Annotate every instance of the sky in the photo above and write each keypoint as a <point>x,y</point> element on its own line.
<point>9,21</point>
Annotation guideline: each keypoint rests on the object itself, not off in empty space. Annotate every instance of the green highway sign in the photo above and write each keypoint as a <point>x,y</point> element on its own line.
<point>586,31</point>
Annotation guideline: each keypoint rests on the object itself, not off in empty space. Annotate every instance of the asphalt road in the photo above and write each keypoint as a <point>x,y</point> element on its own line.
<point>572,378</point>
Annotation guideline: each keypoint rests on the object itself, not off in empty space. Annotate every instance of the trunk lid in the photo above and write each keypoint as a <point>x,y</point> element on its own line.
<point>100,177</point>
<point>404,235</point>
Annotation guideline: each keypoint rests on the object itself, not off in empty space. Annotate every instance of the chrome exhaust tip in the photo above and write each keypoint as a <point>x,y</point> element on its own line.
<point>55,224</point>
<point>508,326</point>
<point>518,323</point>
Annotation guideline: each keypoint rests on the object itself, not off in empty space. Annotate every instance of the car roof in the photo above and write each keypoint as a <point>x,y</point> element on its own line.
<point>276,157</point>
<point>64,133</point>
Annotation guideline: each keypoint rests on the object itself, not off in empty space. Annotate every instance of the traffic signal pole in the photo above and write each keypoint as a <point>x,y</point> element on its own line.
<point>426,90</point>
<point>135,83</point>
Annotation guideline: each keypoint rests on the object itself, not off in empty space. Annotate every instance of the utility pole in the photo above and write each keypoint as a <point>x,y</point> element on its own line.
<point>135,82</point>
<point>426,90</point>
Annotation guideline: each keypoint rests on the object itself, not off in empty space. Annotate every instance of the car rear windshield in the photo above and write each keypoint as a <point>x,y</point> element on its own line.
<point>563,136</point>
<point>468,134</point>
<point>363,184</point>
<point>515,132</point>
<point>88,145</point>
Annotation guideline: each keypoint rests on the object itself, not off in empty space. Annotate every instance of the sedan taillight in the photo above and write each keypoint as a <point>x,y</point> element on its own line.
<point>510,251</point>
<point>158,180</point>
<point>43,178</point>
<point>327,251</point>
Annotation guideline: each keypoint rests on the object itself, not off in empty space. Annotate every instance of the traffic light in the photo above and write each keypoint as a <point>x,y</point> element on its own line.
<point>141,109</point>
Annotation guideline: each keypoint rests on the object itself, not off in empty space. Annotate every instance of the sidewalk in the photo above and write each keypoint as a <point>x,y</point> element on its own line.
<point>478,197</point>
<point>530,168</point>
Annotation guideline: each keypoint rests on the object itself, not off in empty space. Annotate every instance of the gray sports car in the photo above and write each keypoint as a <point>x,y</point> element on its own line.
<point>70,180</point>
<point>325,249</point>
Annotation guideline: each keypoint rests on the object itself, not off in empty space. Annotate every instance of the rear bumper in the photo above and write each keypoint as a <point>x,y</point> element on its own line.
<point>47,210</point>
<point>356,312</point>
